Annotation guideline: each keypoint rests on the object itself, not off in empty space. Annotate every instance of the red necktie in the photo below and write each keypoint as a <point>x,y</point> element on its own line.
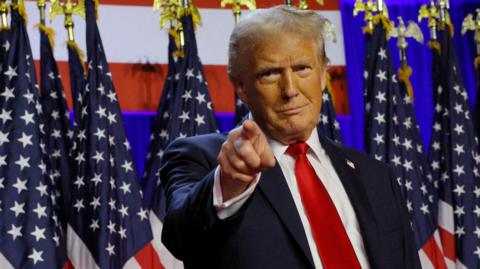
<point>333,244</point>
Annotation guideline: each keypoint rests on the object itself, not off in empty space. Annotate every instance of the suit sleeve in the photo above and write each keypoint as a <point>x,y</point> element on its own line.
<point>187,175</point>
<point>410,250</point>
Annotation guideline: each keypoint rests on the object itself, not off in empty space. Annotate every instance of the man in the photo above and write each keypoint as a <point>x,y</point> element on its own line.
<point>273,193</point>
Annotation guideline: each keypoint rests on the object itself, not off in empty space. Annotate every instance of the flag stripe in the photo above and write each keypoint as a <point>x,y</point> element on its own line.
<point>434,254</point>
<point>329,5</point>
<point>446,229</point>
<point>78,252</point>
<point>146,81</point>
<point>425,260</point>
<point>148,258</point>
<point>4,263</point>
<point>167,259</point>
<point>448,244</point>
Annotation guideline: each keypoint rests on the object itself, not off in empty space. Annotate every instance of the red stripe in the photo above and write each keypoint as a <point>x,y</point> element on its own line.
<point>148,258</point>
<point>68,265</point>
<point>329,5</point>
<point>139,86</point>
<point>448,244</point>
<point>433,252</point>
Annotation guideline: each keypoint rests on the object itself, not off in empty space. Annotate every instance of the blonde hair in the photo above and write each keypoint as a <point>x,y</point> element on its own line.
<point>260,24</point>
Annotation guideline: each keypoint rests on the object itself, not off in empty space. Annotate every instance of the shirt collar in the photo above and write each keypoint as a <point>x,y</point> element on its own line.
<point>313,142</point>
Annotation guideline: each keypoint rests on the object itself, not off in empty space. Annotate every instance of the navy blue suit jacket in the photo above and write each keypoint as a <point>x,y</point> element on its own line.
<point>267,231</point>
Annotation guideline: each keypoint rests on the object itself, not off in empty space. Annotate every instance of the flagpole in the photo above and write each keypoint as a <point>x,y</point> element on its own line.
<point>3,14</point>
<point>41,6</point>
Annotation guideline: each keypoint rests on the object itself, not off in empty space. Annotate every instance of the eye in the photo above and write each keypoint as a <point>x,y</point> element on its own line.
<point>303,69</point>
<point>269,75</point>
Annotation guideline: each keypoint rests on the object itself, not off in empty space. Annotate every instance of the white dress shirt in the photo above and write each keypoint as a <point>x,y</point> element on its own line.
<point>329,177</point>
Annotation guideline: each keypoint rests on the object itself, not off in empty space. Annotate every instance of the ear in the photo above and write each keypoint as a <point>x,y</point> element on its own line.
<point>240,89</point>
<point>324,77</point>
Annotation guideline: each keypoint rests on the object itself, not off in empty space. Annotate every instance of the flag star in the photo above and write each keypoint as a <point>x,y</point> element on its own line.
<point>79,204</point>
<point>477,252</point>
<point>11,72</point>
<point>4,138</point>
<point>123,210</point>
<point>164,134</point>
<point>122,232</point>
<point>6,45</point>
<point>111,203</point>
<point>423,188</point>
<point>95,202</point>
<point>209,105</point>
<point>189,73</point>
<point>365,74</point>
<point>126,144</point>
<point>102,112</point>
<point>96,179</point>
<point>381,75</point>
<point>111,118</point>
<point>458,108</point>
<point>380,118</point>
<point>56,239</point>
<point>459,211</point>
<point>6,115</point>
<point>142,214</point>
<point>25,140</point>
<point>127,166</point>
<point>396,160</point>
<point>477,232</point>
<point>111,226</point>
<point>112,96</point>
<point>382,53</point>
<point>100,133</point>
<point>200,98</point>
<point>80,158</point>
<point>408,185</point>
<point>28,118</point>
<point>436,145</point>
<point>84,112</point>
<point>125,187</point>
<point>424,208</point>
<point>111,141</point>
<point>98,156</point>
<point>381,97</point>
<point>42,189</point>
<point>396,140</point>
<point>407,144</point>
<point>94,225</point>
<point>459,129</point>
<point>437,127</point>
<point>23,162</point>
<point>459,169</point>
<point>29,97</point>
<point>15,232</point>
<point>378,138</point>
<point>38,233</point>
<point>20,185</point>
<point>200,77</point>
<point>325,97</point>
<point>477,211</point>
<point>54,95</point>
<point>459,189</point>
<point>407,123</point>
<point>18,208</point>
<point>40,211</point>
<point>200,119</point>
<point>55,115</point>
<point>36,256</point>
<point>460,231</point>
<point>8,93</point>
<point>409,206</point>
<point>185,116</point>
<point>101,89</point>
<point>477,192</point>
<point>378,157</point>
<point>458,149</point>
<point>407,165</point>
<point>110,249</point>
<point>324,119</point>
<point>187,95</point>
<point>1,183</point>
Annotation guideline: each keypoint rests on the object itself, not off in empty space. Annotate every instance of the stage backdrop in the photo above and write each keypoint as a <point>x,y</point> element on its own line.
<point>137,50</point>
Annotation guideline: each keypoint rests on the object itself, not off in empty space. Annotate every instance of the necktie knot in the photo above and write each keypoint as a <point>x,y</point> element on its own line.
<point>297,149</point>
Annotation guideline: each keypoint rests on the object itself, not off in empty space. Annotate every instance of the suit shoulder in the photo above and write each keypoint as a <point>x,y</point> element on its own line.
<point>205,143</point>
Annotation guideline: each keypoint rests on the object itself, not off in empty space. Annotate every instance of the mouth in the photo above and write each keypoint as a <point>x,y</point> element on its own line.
<point>291,110</point>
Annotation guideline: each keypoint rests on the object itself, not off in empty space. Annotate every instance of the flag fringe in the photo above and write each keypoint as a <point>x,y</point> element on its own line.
<point>20,7</point>
<point>404,74</point>
<point>49,32</point>
<point>476,62</point>
<point>4,28</point>
<point>80,54</point>
<point>434,44</point>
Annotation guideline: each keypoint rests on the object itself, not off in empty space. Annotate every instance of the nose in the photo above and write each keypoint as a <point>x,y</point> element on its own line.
<point>288,86</point>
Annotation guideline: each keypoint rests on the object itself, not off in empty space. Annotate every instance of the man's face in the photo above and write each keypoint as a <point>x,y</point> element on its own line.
<point>282,83</point>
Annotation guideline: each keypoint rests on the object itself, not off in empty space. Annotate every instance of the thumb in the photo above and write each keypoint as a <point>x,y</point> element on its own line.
<point>267,157</point>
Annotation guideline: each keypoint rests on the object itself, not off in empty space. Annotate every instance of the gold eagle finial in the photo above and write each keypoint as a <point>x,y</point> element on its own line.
<point>237,6</point>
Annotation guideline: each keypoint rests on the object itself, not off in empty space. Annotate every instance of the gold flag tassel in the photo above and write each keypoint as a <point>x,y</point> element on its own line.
<point>19,5</point>
<point>80,54</point>
<point>402,32</point>
<point>473,24</point>
<point>47,31</point>
<point>432,14</point>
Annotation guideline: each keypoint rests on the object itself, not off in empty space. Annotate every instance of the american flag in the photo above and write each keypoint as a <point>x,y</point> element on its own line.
<point>394,138</point>
<point>108,224</point>
<point>30,228</point>
<point>328,124</point>
<point>4,44</point>
<point>455,160</point>
<point>185,110</point>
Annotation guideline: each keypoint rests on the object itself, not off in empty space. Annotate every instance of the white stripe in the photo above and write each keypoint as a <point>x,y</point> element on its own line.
<point>4,263</point>
<point>166,257</point>
<point>78,252</point>
<point>459,265</point>
<point>445,217</point>
<point>132,264</point>
<point>424,260</point>
<point>131,34</point>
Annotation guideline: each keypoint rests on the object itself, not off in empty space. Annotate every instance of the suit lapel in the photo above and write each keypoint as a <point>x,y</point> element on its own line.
<point>357,194</point>
<point>274,186</point>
